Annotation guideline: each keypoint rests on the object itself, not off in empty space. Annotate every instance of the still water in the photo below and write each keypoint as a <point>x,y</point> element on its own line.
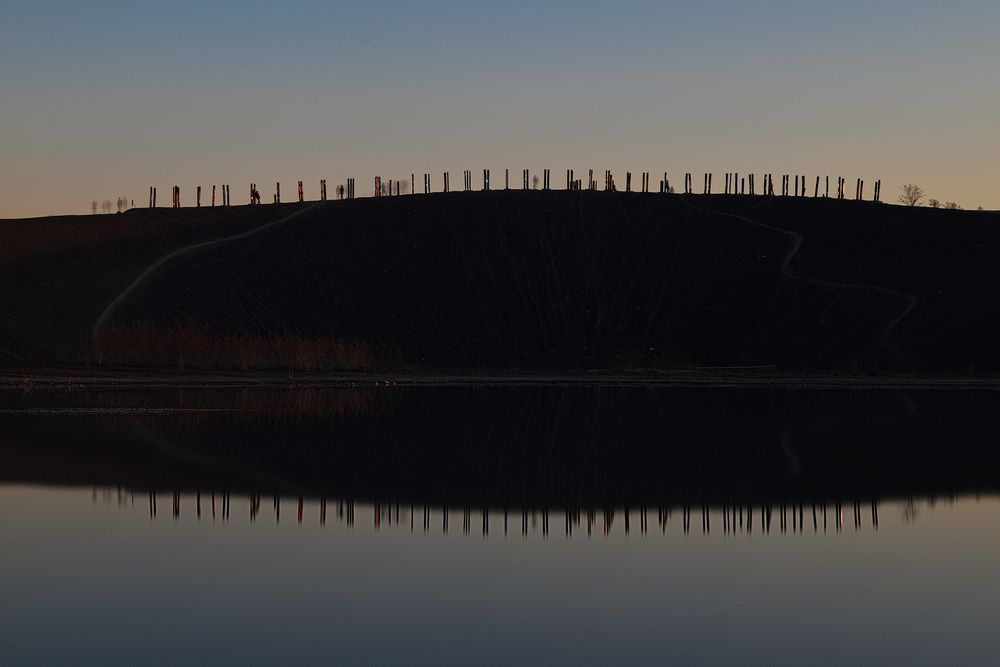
<point>503,525</point>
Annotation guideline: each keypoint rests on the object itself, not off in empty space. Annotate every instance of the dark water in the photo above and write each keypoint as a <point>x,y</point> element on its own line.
<point>503,525</point>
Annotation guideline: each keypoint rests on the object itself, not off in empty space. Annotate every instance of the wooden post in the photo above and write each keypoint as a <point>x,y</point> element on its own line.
<point>816,191</point>
<point>506,179</point>
<point>301,192</point>
<point>628,181</point>
<point>198,198</point>
<point>827,187</point>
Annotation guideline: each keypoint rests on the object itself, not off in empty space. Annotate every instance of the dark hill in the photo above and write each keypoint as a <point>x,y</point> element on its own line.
<point>528,280</point>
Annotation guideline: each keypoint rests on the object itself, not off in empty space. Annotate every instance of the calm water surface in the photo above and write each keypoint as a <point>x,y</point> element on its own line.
<point>589,526</point>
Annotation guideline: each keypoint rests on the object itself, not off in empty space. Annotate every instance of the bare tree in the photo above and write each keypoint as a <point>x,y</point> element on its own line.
<point>952,206</point>
<point>980,208</point>
<point>911,195</point>
<point>93,207</point>
<point>933,203</point>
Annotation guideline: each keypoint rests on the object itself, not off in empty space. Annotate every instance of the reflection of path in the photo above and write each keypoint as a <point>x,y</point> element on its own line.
<point>796,239</point>
<point>908,410</point>
<point>742,519</point>
<point>103,318</point>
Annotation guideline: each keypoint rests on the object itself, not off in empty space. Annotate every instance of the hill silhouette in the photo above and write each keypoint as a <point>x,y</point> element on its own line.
<point>526,279</point>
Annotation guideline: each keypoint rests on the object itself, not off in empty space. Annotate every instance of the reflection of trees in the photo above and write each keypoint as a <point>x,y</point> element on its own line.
<point>909,511</point>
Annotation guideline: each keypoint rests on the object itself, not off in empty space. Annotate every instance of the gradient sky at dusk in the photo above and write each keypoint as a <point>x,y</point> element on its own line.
<point>105,98</point>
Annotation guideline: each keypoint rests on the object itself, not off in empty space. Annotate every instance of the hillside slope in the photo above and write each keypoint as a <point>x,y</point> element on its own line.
<point>528,279</point>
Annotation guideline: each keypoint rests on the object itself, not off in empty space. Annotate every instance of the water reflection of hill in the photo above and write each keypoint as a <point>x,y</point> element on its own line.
<point>515,447</point>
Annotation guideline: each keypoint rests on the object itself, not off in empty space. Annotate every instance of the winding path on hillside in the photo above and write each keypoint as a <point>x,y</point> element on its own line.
<point>103,318</point>
<point>796,240</point>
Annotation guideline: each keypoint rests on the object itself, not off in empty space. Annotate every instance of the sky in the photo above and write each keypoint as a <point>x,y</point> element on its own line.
<point>104,99</point>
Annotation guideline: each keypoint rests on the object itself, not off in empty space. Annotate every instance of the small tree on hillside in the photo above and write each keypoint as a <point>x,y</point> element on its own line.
<point>952,206</point>
<point>933,203</point>
<point>93,207</point>
<point>911,195</point>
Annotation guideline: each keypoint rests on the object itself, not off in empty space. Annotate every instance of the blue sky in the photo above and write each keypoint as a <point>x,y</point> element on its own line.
<point>112,97</point>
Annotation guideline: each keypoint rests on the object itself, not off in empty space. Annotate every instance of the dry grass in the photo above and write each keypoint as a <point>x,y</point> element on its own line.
<point>190,347</point>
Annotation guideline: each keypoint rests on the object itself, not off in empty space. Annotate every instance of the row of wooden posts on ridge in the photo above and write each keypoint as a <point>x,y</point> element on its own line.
<point>734,184</point>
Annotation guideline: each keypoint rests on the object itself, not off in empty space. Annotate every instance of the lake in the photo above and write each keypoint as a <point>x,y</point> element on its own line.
<point>499,525</point>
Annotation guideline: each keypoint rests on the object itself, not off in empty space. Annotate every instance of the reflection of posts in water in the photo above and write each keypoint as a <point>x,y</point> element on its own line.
<point>840,516</point>
<point>277,509</point>
<point>301,502</point>
<point>152,505</point>
<point>875,514</point>
<point>176,505</point>
<point>322,512</point>
<point>198,505</point>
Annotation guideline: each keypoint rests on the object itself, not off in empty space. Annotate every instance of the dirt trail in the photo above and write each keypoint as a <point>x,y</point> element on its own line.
<point>103,318</point>
<point>797,239</point>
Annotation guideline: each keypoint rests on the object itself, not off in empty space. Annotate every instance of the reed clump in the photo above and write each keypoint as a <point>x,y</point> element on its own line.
<point>187,346</point>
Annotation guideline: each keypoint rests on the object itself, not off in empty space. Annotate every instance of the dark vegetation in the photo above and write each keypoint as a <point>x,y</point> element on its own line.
<point>513,279</point>
<point>189,346</point>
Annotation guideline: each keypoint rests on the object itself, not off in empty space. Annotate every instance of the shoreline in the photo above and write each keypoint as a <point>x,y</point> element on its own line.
<point>68,378</point>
